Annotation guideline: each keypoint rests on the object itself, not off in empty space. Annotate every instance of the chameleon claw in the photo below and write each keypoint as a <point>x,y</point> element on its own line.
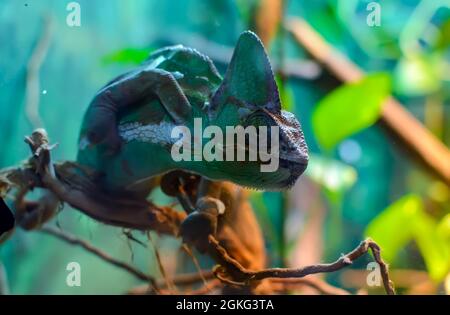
<point>203,222</point>
<point>196,228</point>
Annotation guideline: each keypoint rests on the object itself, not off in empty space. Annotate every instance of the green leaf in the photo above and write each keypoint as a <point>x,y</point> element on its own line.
<point>349,109</point>
<point>390,229</point>
<point>433,248</point>
<point>404,221</point>
<point>443,228</point>
<point>127,56</point>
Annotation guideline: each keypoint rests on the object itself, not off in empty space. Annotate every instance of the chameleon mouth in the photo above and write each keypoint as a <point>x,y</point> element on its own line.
<point>295,170</point>
<point>279,180</point>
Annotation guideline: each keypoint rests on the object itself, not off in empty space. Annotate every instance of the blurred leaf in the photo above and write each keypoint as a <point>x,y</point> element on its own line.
<point>406,220</point>
<point>349,109</point>
<point>127,55</point>
<point>390,229</point>
<point>419,74</point>
<point>433,248</point>
<point>331,174</point>
<point>335,179</point>
<point>443,229</point>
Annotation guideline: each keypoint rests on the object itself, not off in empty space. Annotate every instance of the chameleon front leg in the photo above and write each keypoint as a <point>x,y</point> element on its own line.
<point>202,222</point>
<point>205,201</point>
<point>130,90</point>
<point>201,200</point>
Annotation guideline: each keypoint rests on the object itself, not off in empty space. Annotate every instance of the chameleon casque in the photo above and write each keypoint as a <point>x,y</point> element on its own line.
<point>126,132</point>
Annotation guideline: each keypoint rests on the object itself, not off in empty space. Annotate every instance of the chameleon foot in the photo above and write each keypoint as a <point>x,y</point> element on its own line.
<point>198,225</point>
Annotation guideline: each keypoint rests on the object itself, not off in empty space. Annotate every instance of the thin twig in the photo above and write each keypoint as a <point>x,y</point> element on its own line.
<point>188,251</point>
<point>247,276</point>
<point>33,67</point>
<point>99,253</point>
<point>169,283</point>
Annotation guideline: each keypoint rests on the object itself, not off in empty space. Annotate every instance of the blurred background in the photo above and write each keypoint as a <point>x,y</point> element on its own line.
<point>360,182</point>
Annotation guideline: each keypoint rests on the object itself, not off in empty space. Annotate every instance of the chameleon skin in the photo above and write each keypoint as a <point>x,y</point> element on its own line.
<point>126,132</point>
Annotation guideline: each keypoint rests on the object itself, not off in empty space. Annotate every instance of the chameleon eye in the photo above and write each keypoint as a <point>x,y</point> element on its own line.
<point>93,137</point>
<point>259,118</point>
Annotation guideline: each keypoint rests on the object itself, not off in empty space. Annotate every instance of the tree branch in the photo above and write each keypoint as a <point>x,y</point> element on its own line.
<point>404,127</point>
<point>41,171</point>
<point>99,253</point>
<point>74,184</point>
<point>244,276</point>
<point>162,270</point>
<point>33,67</point>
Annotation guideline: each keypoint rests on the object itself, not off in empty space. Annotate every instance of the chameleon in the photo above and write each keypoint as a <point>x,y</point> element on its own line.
<point>126,133</point>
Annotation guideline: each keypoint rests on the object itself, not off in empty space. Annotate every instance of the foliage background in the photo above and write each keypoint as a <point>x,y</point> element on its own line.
<point>350,181</point>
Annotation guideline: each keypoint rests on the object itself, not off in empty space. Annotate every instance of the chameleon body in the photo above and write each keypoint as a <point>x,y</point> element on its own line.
<point>126,132</point>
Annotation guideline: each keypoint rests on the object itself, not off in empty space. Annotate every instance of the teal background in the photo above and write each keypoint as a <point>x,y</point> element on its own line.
<point>75,68</point>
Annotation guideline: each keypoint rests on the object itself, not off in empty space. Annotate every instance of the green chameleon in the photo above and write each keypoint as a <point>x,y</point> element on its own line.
<point>126,132</point>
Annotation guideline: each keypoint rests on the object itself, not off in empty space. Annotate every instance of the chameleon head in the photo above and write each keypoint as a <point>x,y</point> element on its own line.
<point>248,96</point>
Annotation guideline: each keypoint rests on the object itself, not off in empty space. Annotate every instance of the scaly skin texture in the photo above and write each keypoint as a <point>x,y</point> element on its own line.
<point>126,133</point>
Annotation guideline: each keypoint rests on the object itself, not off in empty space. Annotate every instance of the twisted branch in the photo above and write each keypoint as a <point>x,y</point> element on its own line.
<point>245,277</point>
<point>41,171</point>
